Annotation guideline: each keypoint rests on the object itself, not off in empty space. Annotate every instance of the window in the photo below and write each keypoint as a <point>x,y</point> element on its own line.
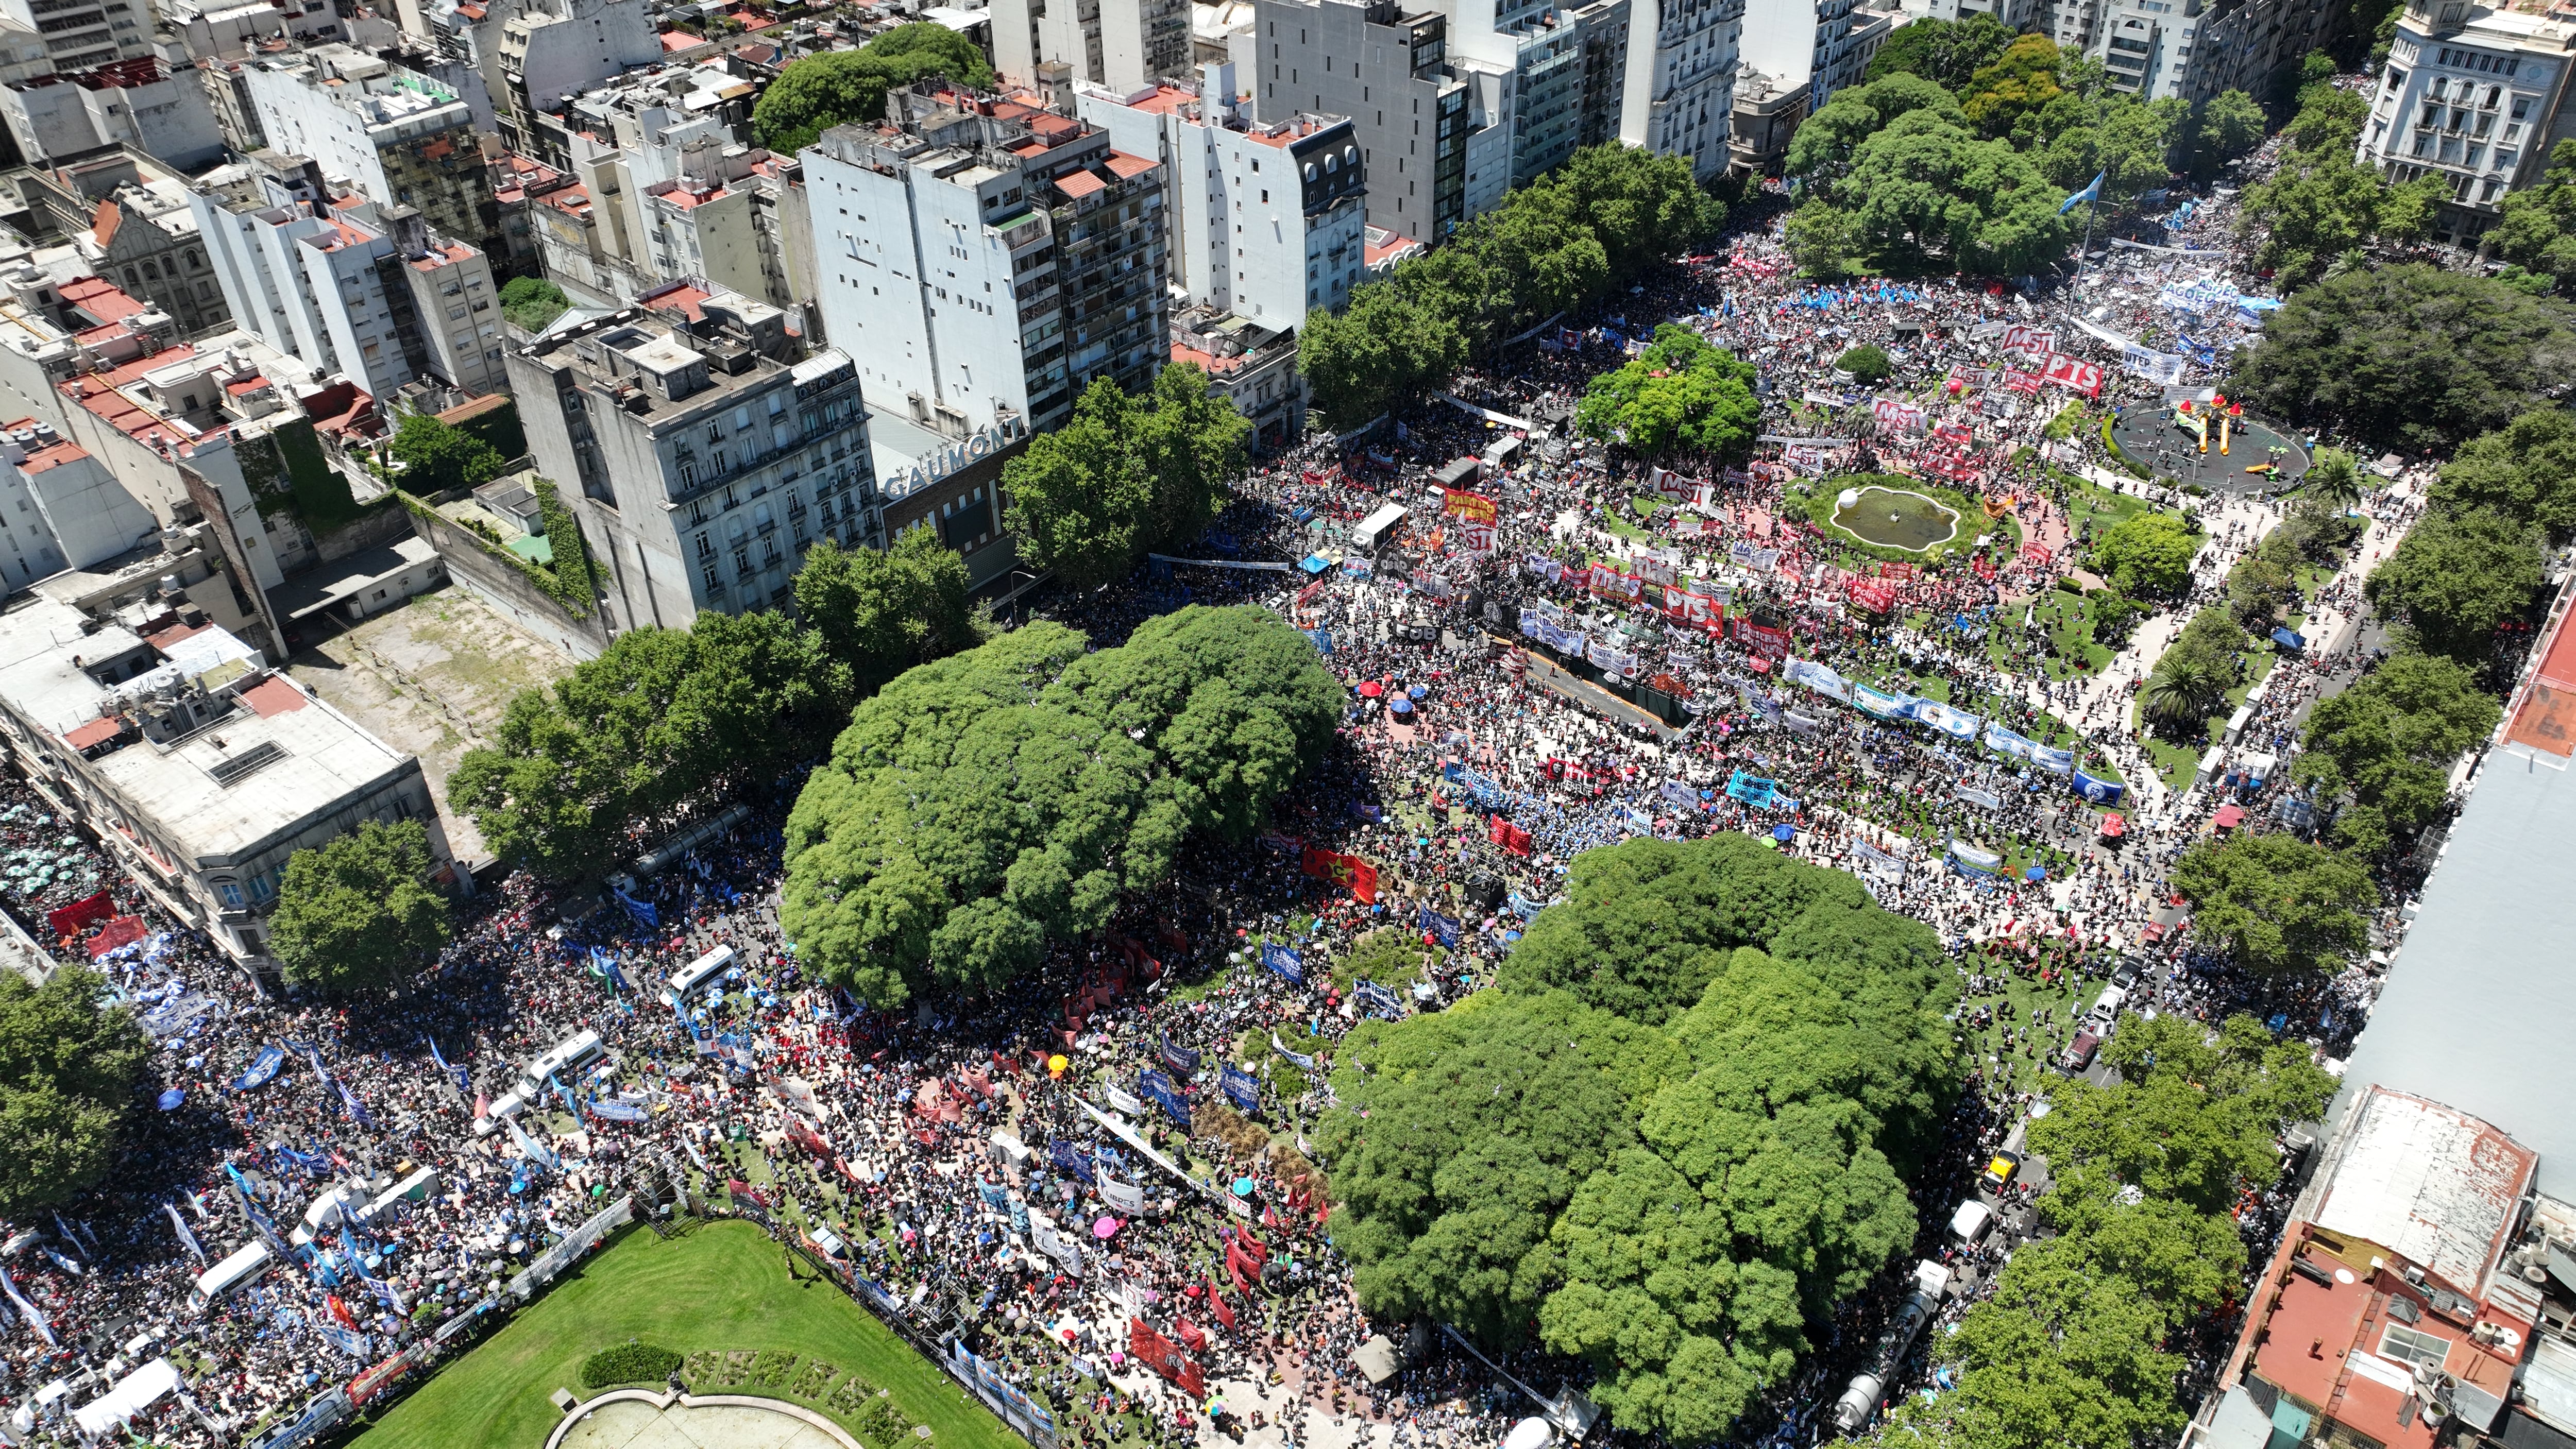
<point>231,892</point>
<point>2406,1345</point>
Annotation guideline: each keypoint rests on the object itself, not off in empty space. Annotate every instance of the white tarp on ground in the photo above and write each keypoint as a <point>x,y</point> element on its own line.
<point>133,1394</point>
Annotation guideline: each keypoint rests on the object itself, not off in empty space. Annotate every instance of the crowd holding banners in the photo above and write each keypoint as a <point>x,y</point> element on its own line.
<point>1449,821</point>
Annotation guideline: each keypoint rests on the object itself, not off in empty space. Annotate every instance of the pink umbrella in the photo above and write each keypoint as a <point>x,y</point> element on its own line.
<point>1105,1227</point>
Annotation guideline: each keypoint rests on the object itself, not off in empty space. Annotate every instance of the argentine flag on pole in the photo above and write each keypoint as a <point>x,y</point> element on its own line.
<point>2089,193</point>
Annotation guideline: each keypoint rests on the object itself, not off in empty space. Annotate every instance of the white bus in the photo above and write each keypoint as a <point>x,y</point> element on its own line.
<point>565,1062</point>
<point>686,980</point>
<point>247,1262</point>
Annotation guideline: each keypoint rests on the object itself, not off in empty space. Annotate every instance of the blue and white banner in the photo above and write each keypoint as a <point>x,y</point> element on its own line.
<point>616,1111</point>
<point>1819,678</point>
<point>1242,1086</point>
<point>1956,723</point>
<point>1876,861</point>
<point>2056,762</point>
<point>464,1083</point>
<point>1179,1059</point>
<point>1443,929</point>
<point>2100,792</point>
<point>27,1310</point>
<point>1302,1062</point>
<point>1982,799</point>
<point>1883,704</point>
<point>643,911</point>
<point>2004,742</point>
<point>1284,961</point>
<point>261,1070</point>
<point>1157,1088</point>
<point>1970,859</point>
<point>1378,1001</point>
<point>186,1237</point>
<point>1069,1157</point>
<point>1752,789</point>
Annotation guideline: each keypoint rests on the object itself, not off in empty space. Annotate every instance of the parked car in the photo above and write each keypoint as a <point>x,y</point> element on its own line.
<point>2079,1052</point>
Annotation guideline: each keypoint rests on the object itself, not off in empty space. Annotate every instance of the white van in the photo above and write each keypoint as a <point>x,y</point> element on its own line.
<point>686,981</point>
<point>246,1263</point>
<point>2107,1009</point>
<point>564,1062</point>
<point>1970,1222</point>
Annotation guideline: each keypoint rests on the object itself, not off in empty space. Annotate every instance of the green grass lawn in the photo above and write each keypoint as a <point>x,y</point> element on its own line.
<point>719,1287</point>
<point>2067,620</point>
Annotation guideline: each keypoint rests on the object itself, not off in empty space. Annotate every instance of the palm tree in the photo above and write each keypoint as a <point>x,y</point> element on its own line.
<point>2334,478</point>
<point>2186,687</point>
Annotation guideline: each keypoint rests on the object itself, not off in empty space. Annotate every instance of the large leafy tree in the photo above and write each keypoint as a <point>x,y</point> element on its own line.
<point>2018,83</point>
<point>2278,905</point>
<point>983,805</point>
<point>2124,141</point>
<point>1380,353</point>
<point>1827,140</point>
<point>1683,393</point>
<point>2525,471</point>
<point>1944,52</point>
<point>2229,125</point>
<point>835,87</point>
<point>359,913</point>
<point>68,1071</point>
<point>438,456</point>
<point>2538,232</point>
<point>1124,476</point>
<point>2149,553</point>
<point>1925,187</point>
<point>1191,442</point>
<point>2457,576</point>
<point>2321,208</point>
<point>882,611</point>
<point>2390,741</point>
<point>1749,1054</point>
<point>2405,356</point>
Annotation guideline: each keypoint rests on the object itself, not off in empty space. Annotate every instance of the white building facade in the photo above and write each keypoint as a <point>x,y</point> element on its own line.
<point>2476,96</point>
<point>1682,59</point>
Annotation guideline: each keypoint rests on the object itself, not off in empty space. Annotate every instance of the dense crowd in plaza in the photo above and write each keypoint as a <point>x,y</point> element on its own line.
<point>947,1145</point>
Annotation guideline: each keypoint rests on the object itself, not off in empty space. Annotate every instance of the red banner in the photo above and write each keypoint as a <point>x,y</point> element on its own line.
<point>2036,553</point>
<point>1473,507</point>
<point>1164,1357</point>
<point>1509,836</point>
<point>2072,374</point>
<point>2022,381</point>
<point>1223,1310</point>
<point>1893,570</point>
<point>80,913</point>
<point>1612,583</point>
<point>124,930</point>
<point>2038,342</point>
<point>1348,871</point>
<point>1877,598</point>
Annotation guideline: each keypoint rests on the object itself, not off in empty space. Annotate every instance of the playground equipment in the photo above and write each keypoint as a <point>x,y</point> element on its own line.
<point>2195,417</point>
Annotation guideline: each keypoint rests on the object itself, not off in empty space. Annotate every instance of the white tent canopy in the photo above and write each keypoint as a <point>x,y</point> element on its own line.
<point>133,1394</point>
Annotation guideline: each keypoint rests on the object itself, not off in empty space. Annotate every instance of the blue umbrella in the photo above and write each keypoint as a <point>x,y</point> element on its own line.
<point>172,1098</point>
<point>2035,873</point>
<point>1243,1187</point>
<point>1419,690</point>
<point>1784,832</point>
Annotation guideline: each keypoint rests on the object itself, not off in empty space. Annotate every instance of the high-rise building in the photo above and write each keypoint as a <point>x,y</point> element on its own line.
<point>1682,59</point>
<point>139,103</point>
<point>1265,221</point>
<point>83,36</point>
<point>1570,64</point>
<point>348,286</point>
<point>397,136</point>
<point>1412,111</point>
<point>2186,49</point>
<point>1124,45</point>
<point>552,50</point>
<point>984,258</point>
<point>701,450</point>
<point>2476,95</point>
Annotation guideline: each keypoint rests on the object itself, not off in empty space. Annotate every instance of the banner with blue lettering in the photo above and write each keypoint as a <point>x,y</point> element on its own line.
<point>1376,1000</point>
<point>2004,742</point>
<point>264,1067</point>
<point>1242,1086</point>
<point>1970,859</point>
<point>1070,1158</point>
<point>643,911</point>
<point>1302,1063</point>
<point>2056,762</point>
<point>1285,962</point>
<point>1156,1087</point>
<point>1179,1059</point>
<point>1882,704</point>
<point>1443,929</point>
<point>2099,792</point>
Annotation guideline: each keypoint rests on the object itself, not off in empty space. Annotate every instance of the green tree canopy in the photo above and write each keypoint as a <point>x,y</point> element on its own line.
<point>2456,576</point>
<point>2525,471</point>
<point>2276,904</point>
<point>2149,553</point>
<point>1679,1150</point>
<point>1682,393</point>
<point>2229,125</point>
<point>982,805</point>
<point>532,302</point>
<point>1124,476</point>
<point>2407,356</point>
<point>2020,82</point>
<point>68,1071</point>
<point>437,456</point>
<point>1827,140</point>
<point>1380,353</point>
<point>1924,187</point>
<point>2193,675</point>
<point>1944,52</point>
<point>2321,208</point>
<point>882,611</point>
<point>2390,740</point>
<point>2538,231</point>
<point>359,914</point>
<point>835,87</point>
<point>1866,363</point>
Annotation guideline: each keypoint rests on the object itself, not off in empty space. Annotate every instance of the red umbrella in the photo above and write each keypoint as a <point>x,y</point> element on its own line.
<point>1372,689</point>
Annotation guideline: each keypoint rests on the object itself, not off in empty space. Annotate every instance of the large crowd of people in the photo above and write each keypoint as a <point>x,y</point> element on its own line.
<point>987,1164</point>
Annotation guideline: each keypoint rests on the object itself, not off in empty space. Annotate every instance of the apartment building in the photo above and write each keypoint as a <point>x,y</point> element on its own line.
<point>139,103</point>
<point>708,450</point>
<point>1267,221</point>
<point>1570,69</point>
<point>1252,365</point>
<point>84,34</point>
<point>348,286</point>
<point>1123,45</point>
<point>1682,62</point>
<point>2476,95</point>
<point>552,50</point>
<point>121,215</point>
<point>1414,114</point>
<point>984,258</point>
<point>399,137</point>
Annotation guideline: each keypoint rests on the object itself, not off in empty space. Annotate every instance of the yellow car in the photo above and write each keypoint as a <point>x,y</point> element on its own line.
<point>1999,1173</point>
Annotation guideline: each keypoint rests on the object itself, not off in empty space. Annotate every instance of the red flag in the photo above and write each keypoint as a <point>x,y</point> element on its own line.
<point>1224,1311</point>
<point>1191,1334</point>
<point>339,1310</point>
